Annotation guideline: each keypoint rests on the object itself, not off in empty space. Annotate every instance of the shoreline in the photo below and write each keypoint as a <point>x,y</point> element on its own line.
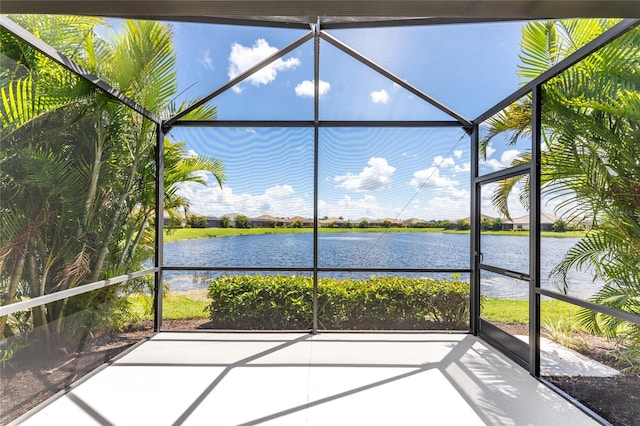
<point>180,234</point>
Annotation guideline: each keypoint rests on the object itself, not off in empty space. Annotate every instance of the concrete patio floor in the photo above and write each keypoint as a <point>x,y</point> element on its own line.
<point>203,378</point>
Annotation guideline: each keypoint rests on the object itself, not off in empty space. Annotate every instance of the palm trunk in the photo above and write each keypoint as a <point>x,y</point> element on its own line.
<point>40,324</point>
<point>92,188</point>
<point>132,243</point>
<point>104,248</point>
<point>13,288</point>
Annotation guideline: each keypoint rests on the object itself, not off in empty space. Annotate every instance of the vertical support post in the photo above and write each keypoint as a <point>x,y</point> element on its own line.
<point>474,279</point>
<point>159,228</point>
<point>316,115</point>
<point>534,232</point>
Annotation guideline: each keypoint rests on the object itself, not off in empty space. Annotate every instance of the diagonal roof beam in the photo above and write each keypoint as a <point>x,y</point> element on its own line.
<point>279,54</point>
<point>349,51</point>
<point>24,35</point>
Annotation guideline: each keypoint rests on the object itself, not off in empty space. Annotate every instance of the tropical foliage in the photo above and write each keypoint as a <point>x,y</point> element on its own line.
<point>77,178</point>
<point>590,168</point>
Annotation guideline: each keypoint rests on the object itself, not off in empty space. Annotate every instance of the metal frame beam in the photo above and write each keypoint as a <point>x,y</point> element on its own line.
<point>24,35</point>
<point>534,232</point>
<point>228,85</point>
<point>316,179</point>
<point>76,291</point>
<point>474,279</point>
<point>285,9</point>
<point>159,229</point>
<point>319,123</point>
<point>400,82</point>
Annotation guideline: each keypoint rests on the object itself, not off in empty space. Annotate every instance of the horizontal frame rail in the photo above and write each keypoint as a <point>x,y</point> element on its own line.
<point>311,269</point>
<point>606,310</point>
<point>400,82</point>
<point>24,35</point>
<point>76,291</point>
<point>506,272</point>
<point>520,169</point>
<point>311,123</point>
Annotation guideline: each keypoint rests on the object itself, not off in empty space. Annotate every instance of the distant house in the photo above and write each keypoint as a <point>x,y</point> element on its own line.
<point>522,223</point>
<point>306,222</point>
<point>386,222</point>
<point>266,221</point>
<point>330,222</point>
<point>414,222</point>
<point>214,222</point>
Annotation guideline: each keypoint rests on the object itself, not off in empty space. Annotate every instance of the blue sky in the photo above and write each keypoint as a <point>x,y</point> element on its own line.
<point>372,173</point>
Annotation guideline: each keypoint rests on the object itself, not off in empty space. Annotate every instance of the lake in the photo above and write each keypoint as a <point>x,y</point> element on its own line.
<point>375,250</point>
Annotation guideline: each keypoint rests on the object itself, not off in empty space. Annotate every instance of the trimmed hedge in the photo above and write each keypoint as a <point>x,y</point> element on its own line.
<point>259,302</point>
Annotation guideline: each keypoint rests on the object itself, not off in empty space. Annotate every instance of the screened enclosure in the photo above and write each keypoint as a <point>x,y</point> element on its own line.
<point>367,190</point>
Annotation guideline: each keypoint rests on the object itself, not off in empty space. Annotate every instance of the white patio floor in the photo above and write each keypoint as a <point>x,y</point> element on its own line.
<point>204,378</point>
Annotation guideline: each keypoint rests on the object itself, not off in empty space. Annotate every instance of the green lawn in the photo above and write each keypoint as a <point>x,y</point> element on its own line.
<point>181,305</point>
<point>517,311</point>
<point>190,233</point>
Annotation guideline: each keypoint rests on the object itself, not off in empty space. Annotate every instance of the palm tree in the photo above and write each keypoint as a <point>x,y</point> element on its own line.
<point>77,172</point>
<point>591,131</point>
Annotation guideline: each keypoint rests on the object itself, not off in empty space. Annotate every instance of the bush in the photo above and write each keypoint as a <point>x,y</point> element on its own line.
<point>196,221</point>
<point>284,302</point>
<point>560,226</point>
<point>225,222</point>
<point>242,221</point>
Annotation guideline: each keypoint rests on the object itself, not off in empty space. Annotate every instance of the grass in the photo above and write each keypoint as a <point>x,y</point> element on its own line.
<point>191,233</point>
<point>178,305</point>
<point>192,304</point>
<point>517,311</point>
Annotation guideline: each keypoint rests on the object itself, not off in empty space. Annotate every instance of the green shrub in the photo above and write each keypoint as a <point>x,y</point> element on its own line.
<point>285,302</point>
<point>560,226</point>
<point>225,222</point>
<point>196,221</point>
<point>242,221</point>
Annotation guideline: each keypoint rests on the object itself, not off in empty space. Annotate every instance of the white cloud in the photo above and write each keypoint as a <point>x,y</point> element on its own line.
<point>457,153</point>
<point>207,61</point>
<point>506,159</point>
<point>354,208</point>
<point>490,150</point>
<point>242,58</point>
<point>466,167</point>
<point>376,176</point>
<point>430,178</point>
<point>306,88</point>
<point>440,161</point>
<point>379,97</point>
<point>451,207</point>
<point>279,200</point>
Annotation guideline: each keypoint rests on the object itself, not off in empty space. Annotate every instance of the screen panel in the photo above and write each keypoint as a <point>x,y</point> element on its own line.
<point>393,301</point>
<point>391,197</point>
<point>49,347</point>
<point>598,368</point>
<point>262,216</point>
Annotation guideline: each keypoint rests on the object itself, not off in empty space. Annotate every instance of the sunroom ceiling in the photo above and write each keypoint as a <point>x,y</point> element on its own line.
<point>331,12</point>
